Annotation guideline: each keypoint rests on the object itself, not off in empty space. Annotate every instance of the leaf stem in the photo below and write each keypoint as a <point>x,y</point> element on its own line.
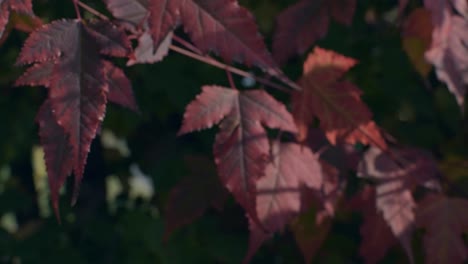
<point>226,67</point>
<point>186,44</point>
<point>92,10</point>
<point>231,80</point>
<point>77,10</point>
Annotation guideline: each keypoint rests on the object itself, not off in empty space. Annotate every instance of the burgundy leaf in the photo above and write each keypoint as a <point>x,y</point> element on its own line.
<point>445,220</point>
<point>241,147</point>
<point>119,87</point>
<point>222,26</point>
<point>36,75</point>
<point>326,97</point>
<point>448,52</point>
<point>395,181</point>
<point>132,12</point>
<point>145,52</point>
<point>7,6</point>
<point>193,195</point>
<point>78,78</point>
<point>299,26</point>
<point>58,152</point>
<point>279,191</point>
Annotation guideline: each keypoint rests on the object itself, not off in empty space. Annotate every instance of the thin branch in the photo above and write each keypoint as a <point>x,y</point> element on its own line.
<point>77,10</point>
<point>231,80</point>
<point>92,10</point>
<point>186,44</point>
<point>226,67</point>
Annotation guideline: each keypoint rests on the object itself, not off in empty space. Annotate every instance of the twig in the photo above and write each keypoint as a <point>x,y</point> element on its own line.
<point>77,10</point>
<point>92,10</point>
<point>226,67</point>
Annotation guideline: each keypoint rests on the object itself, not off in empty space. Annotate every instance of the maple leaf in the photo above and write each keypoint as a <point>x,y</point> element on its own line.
<point>300,25</point>
<point>395,181</point>
<point>337,104</point>
<point>448,52</point>
<point>193,195</point>
<point>241,146</point>
<point>377,237</point>
<point>58,152</point>
<point>279,191</point>
<point>222,26</point>
<point>134,15</point>
<point>7,6</point>
<point>445,220</point>
<point>68,62</point>
<point>119,87</point>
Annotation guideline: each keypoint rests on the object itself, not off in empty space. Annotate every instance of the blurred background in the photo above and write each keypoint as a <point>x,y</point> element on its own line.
<point>137,159</point>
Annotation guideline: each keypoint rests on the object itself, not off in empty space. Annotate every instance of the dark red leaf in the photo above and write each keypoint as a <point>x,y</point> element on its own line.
<point>445,220</point>
<point>326,97</point>
<point>395,181</point>
<point>58,152</point>
<point>36,75</point>
<point>279,191</point>
<point>377,237</point>
<point>68,61</point>
<point>133,12</point>
<point>241,147</point>
<point>299,26</point>
<point>193,195</point>
<point>7,6</point>
<point>222,26</point>
<point>119,87</point>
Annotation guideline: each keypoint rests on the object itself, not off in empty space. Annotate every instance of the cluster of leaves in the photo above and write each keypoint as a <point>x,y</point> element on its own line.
<point>303,159</point>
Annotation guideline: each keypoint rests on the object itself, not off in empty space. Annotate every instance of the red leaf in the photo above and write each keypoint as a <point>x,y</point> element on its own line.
<point>395,181</point>
<point>119,87</point>
<point>193,195</point>
<point>7,6</point>
<point>279,191</point>
<point>330,100</point>
<point>241,147</point>
<point>134,15</point>
<point>219,26</point>
<point>66,54</point>
<point>58,152</point>
<point>448,52</point>
<point>377,237</point>
<point>445,220</point>
<point>36,75</point>
<point>299,26</point>
<point>132,12</point>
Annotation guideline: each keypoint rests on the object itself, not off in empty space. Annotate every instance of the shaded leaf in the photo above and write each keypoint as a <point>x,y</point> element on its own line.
<point>222,26</point>
<point>119,87</point>
<point>445,220</point>
<point>68,61</point>
<point>395,180</point>
<point>279,191</point>
<point>8,6</point>
<point>58,152</point>
<point>448,52</point>
<point>307,21</point>
<point>193,195</point>
<point>377,237</point>
<point>326,97</point>
<point>241,146</point>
